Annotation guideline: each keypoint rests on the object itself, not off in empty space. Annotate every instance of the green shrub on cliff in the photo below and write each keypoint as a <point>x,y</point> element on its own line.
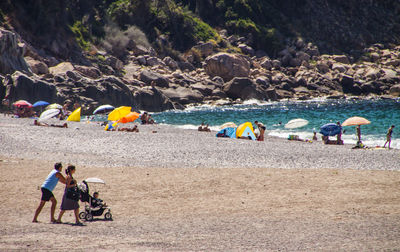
<point>82,35</point>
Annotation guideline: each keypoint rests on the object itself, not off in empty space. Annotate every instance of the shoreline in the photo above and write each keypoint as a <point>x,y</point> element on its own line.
<point>88,144</point>
<point>184,190</point>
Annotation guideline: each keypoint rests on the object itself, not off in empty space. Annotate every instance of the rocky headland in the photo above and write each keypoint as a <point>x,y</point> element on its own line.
<point>94,54</point>
<point>149,82</point>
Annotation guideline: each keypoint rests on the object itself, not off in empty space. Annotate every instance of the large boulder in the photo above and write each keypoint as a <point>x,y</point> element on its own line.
<point>243,88</point>
<point>61,68</point>
<point>149,76</point>
<point>27,88</point>
<point>152,99</point>
<point>90,72</point>
<point>171,63</point>
<point>341,59</point>
<point>183,95</point>
<point>205,49</point>
<point>227,66</point>
<point>12,54</point>
<point>37,66</point>
<point>395,90</point>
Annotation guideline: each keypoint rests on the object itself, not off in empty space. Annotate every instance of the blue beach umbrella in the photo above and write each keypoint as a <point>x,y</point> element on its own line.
<point>330,129</point>
<point>40,103</point>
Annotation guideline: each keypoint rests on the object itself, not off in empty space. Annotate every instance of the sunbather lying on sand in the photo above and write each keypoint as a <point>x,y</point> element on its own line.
<point>134,129</point>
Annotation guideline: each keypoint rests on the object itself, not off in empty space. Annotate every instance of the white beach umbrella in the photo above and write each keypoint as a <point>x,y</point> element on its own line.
<point>296,123</point>
<point>103,108</point>
<point>95,180</point>
<point>49,114</point>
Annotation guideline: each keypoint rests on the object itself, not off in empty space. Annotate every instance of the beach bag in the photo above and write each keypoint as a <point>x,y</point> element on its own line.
<point>73,193</point>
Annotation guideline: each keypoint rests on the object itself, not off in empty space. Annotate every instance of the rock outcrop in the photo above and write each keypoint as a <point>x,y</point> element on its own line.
<point>227,66</point>
<point>12,53</point>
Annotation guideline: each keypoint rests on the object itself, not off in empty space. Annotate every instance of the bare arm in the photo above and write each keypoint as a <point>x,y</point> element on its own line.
<point>68,182</point>
<point>61,177</point>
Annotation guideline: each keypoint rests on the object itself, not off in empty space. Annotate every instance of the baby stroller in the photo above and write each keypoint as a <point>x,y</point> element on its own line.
<point>91,210</point>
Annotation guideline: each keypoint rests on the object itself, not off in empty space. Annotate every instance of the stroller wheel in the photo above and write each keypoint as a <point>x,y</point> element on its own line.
<point>108,216</point>
<point>89,217</point>
<point>82,215</point>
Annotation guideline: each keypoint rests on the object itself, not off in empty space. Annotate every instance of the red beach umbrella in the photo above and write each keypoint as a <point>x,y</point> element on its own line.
<point>22,103</point>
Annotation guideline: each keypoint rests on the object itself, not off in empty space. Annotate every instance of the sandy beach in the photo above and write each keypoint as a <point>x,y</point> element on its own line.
<point>182,190</point>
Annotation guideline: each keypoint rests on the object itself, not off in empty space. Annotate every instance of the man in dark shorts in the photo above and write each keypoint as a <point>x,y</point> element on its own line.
<point>47,187</point>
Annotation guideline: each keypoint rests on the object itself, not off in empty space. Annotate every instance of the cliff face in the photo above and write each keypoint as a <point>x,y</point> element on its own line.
<point>165,54</point>
<point>335,26</point>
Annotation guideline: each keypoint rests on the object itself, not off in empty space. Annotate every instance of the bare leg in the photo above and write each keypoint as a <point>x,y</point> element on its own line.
<point>60,216</point>
<point>389,143</point>
<point>76,211</point>
<point>53,209</point>
<point>38,210</point>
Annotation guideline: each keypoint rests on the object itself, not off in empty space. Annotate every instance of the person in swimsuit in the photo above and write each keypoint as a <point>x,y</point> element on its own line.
<point>47,187</point>
<point>389,136</point>
<point>339,135</point>
<point>69,204</point>
<point>261,128</point>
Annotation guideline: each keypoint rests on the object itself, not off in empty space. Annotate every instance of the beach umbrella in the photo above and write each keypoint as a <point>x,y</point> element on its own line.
<point>75,116</point>
<point>110,126</point>
<point>40,104</point>
<point>47,114</point>
<point>22,103</point>
<point>355,120</point>
<point>103,108</point>
<point>54,106</point>
<point>118,113</point>
<point>330,129</point>
<point>132,116</point>
<point>94,180</point>
<point>296,123</point>
<point>228,125</point>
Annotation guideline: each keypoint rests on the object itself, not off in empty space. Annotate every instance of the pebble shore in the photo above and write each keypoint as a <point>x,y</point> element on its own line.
<point>166,146</point>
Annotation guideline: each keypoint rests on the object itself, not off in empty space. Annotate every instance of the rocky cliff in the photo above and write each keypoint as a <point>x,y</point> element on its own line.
<point>153,76</point>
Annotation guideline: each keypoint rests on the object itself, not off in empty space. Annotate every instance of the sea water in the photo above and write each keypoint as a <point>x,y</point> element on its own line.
<point>382,114</point>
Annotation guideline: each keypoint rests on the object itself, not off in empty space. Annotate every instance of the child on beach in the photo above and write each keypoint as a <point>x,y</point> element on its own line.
<point>389,137</point>
<point>96,202</point>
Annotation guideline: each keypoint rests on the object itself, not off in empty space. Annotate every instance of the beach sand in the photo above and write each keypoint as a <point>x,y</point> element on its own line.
<point>183,190</point>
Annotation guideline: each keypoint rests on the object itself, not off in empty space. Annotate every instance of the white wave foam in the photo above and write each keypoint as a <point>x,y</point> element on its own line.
<point>368,140</point>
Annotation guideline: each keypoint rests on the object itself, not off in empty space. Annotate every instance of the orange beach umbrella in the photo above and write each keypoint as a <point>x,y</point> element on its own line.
<point>355,120</point>
<point>132,116</point>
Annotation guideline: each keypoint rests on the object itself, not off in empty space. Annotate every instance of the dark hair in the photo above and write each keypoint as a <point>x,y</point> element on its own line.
<point>96,193</point>
<point>57,166</point>
<point>392,126</point>
<point>69,169</point>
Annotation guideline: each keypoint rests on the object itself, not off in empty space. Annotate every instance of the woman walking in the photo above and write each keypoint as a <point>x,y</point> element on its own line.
<point>69,203</point>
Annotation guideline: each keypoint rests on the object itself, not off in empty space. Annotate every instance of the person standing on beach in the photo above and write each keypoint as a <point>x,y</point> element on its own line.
<point>261,128</point>
<point>339,135</point>
<point>358,129</point>
<point>47,187</point>
<point>67,203</point>
<point>389,136</point>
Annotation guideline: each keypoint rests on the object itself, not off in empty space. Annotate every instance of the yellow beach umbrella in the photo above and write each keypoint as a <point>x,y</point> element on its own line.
<point>75,116</point>
<point>118,113</point>
<point>355,120</point>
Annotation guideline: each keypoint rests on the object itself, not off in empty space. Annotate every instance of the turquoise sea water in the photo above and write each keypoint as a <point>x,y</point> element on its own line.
<point>381,113</point>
